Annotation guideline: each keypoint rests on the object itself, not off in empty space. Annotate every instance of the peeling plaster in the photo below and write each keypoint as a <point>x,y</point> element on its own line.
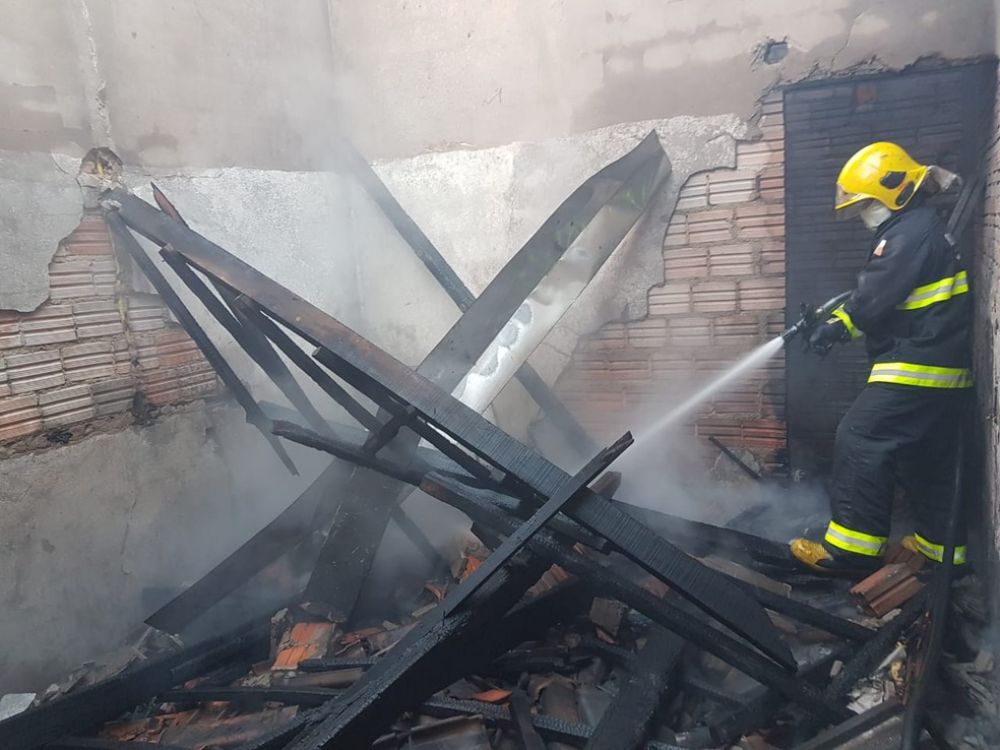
<point>39,206</point>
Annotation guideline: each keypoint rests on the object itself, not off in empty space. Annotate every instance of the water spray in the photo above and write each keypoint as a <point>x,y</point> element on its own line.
<point>811,317</point>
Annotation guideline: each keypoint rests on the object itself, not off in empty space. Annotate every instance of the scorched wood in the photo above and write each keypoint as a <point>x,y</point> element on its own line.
<point>346,351</point>
<point>624,725</point>
<point>255,416</point>
<point>513,543</point>
<point>661,611</point>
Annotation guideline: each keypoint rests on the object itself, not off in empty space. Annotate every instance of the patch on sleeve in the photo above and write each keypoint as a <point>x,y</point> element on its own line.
<point>879,249</point>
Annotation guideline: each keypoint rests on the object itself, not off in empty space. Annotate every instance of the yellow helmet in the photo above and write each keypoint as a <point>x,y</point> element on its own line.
<point>883,172</point>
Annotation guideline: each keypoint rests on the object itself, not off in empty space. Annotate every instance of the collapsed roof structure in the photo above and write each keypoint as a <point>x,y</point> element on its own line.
<point>576,577</point>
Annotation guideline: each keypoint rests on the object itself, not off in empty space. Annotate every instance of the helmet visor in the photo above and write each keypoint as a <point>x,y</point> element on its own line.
<point>850,205</point>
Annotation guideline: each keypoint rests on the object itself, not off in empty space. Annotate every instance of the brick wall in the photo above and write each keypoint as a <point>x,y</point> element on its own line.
<point>95,356</point>
<point>723,294</point>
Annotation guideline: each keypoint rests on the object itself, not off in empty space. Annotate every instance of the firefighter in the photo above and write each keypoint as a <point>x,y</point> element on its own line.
<point>912,306</point>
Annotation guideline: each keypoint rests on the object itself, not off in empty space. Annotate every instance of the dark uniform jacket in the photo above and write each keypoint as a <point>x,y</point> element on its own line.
<point>913,306</point>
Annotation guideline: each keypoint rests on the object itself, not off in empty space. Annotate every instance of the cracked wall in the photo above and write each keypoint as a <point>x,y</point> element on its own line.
<point>483,115</point>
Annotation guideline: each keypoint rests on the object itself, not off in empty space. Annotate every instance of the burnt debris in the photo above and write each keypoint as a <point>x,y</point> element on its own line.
<point>571,620</point>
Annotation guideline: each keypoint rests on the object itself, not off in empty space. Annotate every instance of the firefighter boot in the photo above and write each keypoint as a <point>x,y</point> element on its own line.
<point>819,557</point>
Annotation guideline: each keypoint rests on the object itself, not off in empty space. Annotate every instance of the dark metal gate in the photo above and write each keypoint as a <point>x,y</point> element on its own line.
<point>941,117</point>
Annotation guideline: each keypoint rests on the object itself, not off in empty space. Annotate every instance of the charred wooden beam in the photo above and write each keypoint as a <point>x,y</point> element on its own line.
<point>343,562</point>
<point>624,725</point>
<point>85,710</point>
<point>102,743</point>
<point>634,174</point>
<point>307,364</point>
<point>332,664</point>
<point>460,294</point>
<point>285,532</point>
<point>409,474</point>
<point>431,656</point>
<point>348,352</point>
<point>854,727</point>
<point>251,696</point>
<point>567,492</point>
<point>705,588</point>
<point>550,728</point>
<point>413,473</point>
<point>868,656</point>
<point>255,416</point>
<point>728,453</point>
<point>700,538</point>
<point>661,611</point>
<point>249,339</point>
<point>725,725</point>
<point>520,711</point>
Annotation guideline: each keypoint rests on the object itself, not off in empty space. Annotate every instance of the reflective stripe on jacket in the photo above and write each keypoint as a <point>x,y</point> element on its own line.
<point>913,306</point>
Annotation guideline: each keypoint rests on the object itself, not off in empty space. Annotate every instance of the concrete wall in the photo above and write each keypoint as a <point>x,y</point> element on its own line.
<point>482,113</point>
<point>85,528</point>
<point>459,74</point>
<point>986,292</point>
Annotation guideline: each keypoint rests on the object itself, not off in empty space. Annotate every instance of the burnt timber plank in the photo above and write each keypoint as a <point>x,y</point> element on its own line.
<point>101,743</point>
<point>251,695</point>
<point>455,288</point>
<point>715,641</point>
<point>428,658</point>
<point>520,711</point>
<point>286,531</point>
<point>701,538</point>
<point>707,589</point>
<point>513,543</point>
<point>551,728</point>
<point>85,710</point>
<point>624,725</point>
<point>252,342</point>
<point>468,649</point>
<point>631,181</point>
<point>259,328</point>
<point>255,416</point>
<point>412,473</point>
<point>347,351</point>
<point>358,524</point>
<point>307,364</point>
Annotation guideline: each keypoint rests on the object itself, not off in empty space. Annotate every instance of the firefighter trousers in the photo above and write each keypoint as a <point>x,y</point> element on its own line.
<point>895,433</point>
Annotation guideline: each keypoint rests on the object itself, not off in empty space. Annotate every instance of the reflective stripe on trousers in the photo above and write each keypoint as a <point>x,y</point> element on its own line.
<point>857,542</point>
<point>926,376</point>
<point>936,551</point>
<point>937,291</point>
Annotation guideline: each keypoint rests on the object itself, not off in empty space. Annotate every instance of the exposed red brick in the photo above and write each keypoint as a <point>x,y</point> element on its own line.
<point>685,262</point>
<point>765,293</point>
<point>758,154</point>
<point>727,186</point>
<point>771,182</point>
<point>676,232</point>
<point>760,221</point>
<point>690,331</point>
<point>693,194</point>
<point>651,332</point>
<point>713,296</point>
<point>670,299</point>
<point>713,225</point>
<point>724,294</point>
<point>736,330</point>
<point>731,260</point>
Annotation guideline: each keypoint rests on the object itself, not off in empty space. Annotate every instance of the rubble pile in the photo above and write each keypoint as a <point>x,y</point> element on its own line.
<point>571,618</point>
